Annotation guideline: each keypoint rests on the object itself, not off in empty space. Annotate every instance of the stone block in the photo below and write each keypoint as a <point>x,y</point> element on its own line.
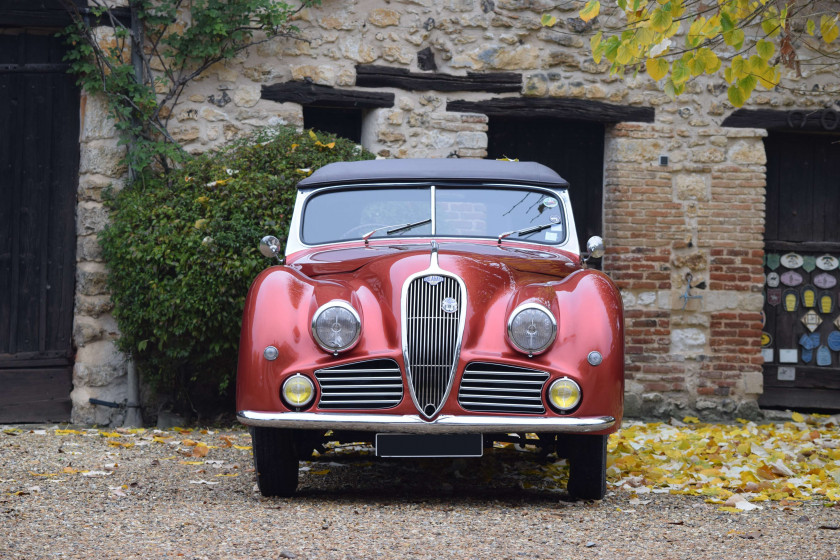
<point>359,50</point>
<point>750,152</point>
<point>91,187</point>
<point>247,96</point>
<point>88,248</point>
<point>91,279</point>
<point>98,364</point>
<point>319,73</point>
<point>536,85</point>
<point>102,157</point>
<point>524,57</point>
<point>688,342</point>
<point>691,186</point>
<point>704,154</point>
<point>86,330</point>
<point>212,115</point>
<point>472,140</point>
<point>383,17</point>
<point>91,217</point>
<point>93,306</point>
<point>97,123</point>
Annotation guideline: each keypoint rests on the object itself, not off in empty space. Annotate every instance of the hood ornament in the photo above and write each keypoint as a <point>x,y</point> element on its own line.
<point>434,256</point>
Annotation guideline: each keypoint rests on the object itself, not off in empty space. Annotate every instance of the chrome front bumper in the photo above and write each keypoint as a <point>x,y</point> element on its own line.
<point>444,424</point>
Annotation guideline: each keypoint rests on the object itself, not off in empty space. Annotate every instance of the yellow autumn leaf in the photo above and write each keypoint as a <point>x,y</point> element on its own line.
<point>657,68</point>
<point>691,420</point>
<point>313,135</point>
<point>243,447</point>
<point>828,28</point>
<point>110,434</point>
<point>590,10</point>
<point>548,20</point>
<point>67,432</point>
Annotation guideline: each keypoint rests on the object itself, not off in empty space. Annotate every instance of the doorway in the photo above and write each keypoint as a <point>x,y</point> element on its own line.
<point>39,156</point>
<point>574,149</point>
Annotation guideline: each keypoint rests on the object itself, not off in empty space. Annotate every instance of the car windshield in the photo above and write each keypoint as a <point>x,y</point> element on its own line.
<point>485,212</point>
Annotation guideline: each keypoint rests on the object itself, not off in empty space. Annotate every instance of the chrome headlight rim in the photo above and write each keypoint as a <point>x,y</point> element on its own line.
<point>344,305</point>
<point>294,378</point>
<point>525,307</point>
<point>553,405</point>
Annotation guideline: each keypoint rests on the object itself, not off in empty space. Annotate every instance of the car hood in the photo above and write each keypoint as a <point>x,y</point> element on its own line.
<point>458,255</point>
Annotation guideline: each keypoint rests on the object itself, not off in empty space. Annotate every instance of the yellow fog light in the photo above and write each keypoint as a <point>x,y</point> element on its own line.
<point>564,394</point>
<point>298,391</point>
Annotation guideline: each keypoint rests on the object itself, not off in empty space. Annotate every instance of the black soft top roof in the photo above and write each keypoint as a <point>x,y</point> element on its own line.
<point>442,169</point>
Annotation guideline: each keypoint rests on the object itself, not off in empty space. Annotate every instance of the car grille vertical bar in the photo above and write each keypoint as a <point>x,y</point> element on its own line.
<point>432,338</point>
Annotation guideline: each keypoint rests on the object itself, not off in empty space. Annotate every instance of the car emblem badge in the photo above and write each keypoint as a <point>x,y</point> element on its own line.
<point>449,305</point>
<point>433,280</point>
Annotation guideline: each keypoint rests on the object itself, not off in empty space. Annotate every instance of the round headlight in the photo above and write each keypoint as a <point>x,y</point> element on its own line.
<point>298,391</point>
<point>532,328</point>
<point>564,394</point>
<point>336,326</point>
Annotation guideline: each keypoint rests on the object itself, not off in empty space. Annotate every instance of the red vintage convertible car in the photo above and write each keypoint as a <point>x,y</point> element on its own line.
<point>431,307</point>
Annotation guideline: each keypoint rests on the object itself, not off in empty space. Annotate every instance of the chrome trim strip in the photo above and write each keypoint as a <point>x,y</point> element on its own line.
<point>417,425</point>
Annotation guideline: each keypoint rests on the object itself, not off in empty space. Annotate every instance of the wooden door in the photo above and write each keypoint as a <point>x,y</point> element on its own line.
<point>39,154</point>
<point>575,150</point>
<point>803,205</point>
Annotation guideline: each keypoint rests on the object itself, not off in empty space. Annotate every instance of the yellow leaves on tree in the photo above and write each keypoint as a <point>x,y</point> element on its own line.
<point>754,39</point>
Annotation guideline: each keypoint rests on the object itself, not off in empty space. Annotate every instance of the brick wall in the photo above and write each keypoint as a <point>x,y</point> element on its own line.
<point>701,215</point>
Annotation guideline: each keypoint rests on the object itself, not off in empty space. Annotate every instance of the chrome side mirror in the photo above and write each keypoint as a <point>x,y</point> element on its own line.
<point>270,247</point>
<point>594,248</point>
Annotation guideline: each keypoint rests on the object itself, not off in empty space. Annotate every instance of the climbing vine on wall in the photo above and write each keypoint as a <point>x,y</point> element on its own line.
<point>143,57</point>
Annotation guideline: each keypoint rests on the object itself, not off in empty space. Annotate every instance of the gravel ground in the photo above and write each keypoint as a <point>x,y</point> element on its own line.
<point>77,493</point>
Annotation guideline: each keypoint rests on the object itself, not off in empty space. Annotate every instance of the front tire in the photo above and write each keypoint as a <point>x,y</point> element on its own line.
<point>587,456</point>
<point>275,461</point>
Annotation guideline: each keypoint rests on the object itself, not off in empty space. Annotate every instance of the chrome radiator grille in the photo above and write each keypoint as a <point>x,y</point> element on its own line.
<point>370,384</point>
<point>433,307</point>
<point>502,388</point>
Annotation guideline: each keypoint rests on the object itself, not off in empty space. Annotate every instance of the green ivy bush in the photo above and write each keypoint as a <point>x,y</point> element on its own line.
<point>182,249</point>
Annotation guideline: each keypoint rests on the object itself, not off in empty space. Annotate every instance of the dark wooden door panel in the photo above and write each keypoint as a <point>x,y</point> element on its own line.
<point>35,395</point>
<point>803,203</point>
<point>39,156</point>
<point>575,150</point>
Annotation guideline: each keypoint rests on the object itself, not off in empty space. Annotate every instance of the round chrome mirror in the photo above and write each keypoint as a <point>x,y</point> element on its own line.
<point>595,247</point>
<point>269,246</point>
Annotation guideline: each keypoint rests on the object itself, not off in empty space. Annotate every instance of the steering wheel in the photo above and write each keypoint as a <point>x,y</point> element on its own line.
<point>361,229</point>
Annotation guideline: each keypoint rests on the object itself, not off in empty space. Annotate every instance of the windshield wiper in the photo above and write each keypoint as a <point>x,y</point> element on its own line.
<point>396,228</point>
<point>525,231</point>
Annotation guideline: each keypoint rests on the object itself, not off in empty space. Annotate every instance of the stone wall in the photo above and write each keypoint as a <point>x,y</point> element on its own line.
<point>100,371</point>
<point>701,214</point>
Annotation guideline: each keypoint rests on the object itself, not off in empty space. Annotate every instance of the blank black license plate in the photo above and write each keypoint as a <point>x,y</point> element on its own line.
<point>429,445</point>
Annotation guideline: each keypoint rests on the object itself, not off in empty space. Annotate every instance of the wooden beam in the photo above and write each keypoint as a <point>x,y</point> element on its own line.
<point>562,108</point>
<point>372,76</point>
<point>806,120</point>
<point>325,96</point>
<point>817,246</point>
<point>800,399</point>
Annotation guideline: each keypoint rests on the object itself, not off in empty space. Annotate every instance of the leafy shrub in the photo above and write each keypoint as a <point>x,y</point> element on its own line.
<point>182,249</point>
